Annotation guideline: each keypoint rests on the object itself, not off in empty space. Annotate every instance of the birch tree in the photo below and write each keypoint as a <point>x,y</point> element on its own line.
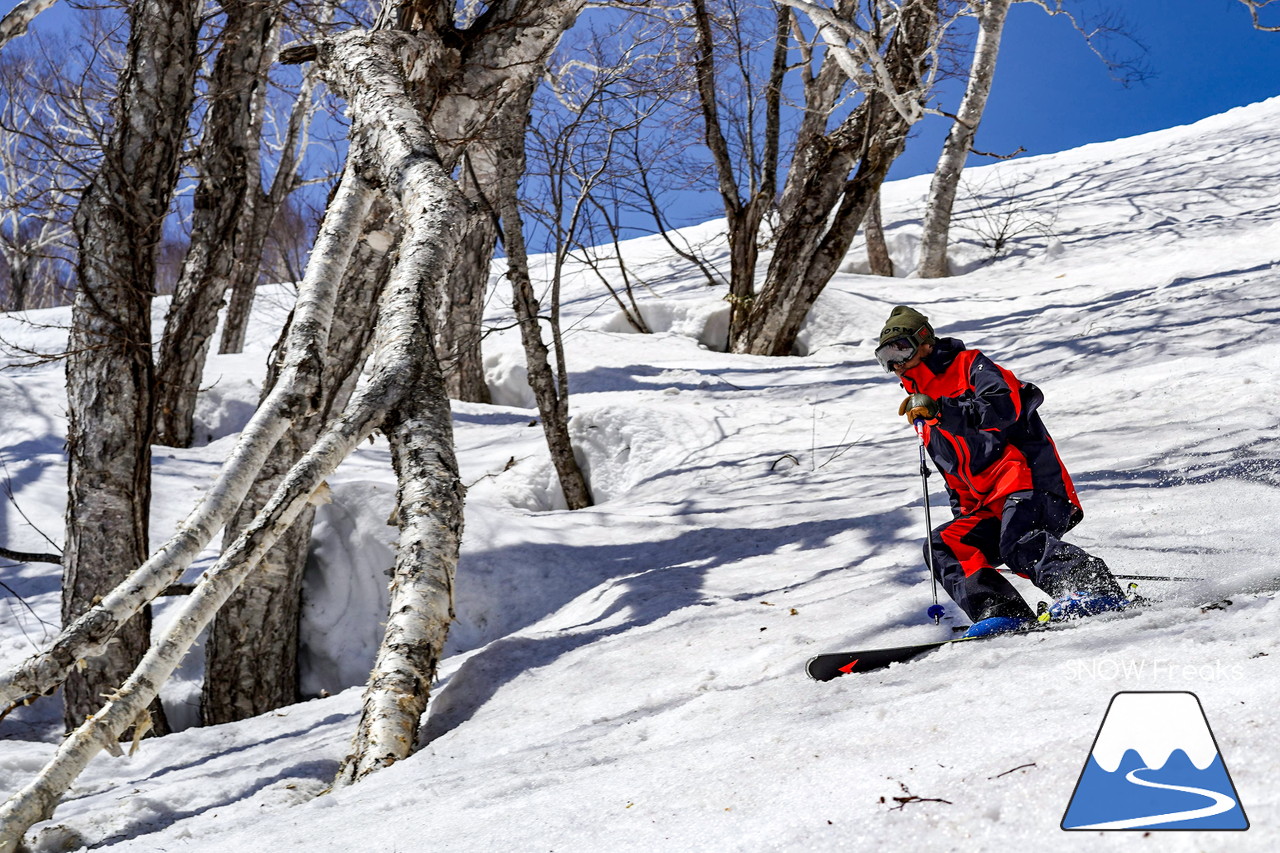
<point>935,230</point>
<point>378,72</point>
<point>495,96</point>
<point>601,93</point>
<point>509,46</point>
<point>110,374</point>
<point>991,16</point>
<point>252,665</point>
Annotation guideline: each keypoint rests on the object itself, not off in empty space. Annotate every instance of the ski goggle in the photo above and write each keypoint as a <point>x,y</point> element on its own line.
<point>895,352</point>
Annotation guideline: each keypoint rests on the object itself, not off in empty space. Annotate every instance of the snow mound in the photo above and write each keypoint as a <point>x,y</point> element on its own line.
<point>345,587</point>
<point>508,379</point>
<point>622,449</point>
<point>706,321</point>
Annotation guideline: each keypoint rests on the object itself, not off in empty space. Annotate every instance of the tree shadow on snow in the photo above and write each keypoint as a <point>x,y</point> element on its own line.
<point>640,583</point>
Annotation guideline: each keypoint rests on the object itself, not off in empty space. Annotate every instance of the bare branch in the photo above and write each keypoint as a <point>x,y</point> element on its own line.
<point>1097,31</point>
<point>26,557</point>
<point>1255,9</point>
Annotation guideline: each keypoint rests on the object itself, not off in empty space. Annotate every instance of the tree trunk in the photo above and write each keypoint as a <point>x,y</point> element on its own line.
<point>743,219</point>
<point>109,369</point>
<point>486,85</point>
<point>430,502</point>
<point>419,422</point>
<point>254,227</point>
<point>550,385</point>
<point>460,317</point>
<point>809,248</point>
<point>125,705</point>
<point>227,150</point>
<point>942,190</point>
<point>404,391</point>
<point>15,23</point>
<point>878,257</point>
<point>389,384</point>
<point>20,267</point>
<point>251,654</point>
<point>259,215</point>
<point>822,206</point>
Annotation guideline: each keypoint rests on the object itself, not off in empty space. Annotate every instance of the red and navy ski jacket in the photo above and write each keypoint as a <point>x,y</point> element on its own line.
<point>989,440</point>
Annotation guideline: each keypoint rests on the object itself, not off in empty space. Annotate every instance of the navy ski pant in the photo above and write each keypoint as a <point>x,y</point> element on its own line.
<point>1024,534</point>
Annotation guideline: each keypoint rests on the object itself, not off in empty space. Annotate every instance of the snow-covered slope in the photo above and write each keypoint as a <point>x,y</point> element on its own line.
<point>630,676</point>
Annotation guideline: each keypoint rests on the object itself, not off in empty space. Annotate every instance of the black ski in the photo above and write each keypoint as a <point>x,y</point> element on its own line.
<point>835,664</point>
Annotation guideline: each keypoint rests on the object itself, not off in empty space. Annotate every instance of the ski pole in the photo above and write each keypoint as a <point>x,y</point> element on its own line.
<point>937,610</point>
<point>1153,578</point>
<point>1133,577</point>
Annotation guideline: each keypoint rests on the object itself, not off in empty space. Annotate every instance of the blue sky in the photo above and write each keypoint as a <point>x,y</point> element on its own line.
<point>1051,92</point>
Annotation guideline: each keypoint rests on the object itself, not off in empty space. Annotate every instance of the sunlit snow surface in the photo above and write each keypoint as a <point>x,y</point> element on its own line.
<point>630,676</point>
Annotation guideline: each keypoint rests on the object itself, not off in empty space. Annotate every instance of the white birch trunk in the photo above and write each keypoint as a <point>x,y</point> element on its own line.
<point>19,18</point>
<point>394,137</point>
<point>250,655</point>
<point>878,257</point>
<point>421,610</point>
<point>942,190</point>
<point>88,635</point>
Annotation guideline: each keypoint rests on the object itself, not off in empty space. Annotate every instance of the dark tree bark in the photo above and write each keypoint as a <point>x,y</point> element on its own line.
<point>460,317</point>
<point>262,208</point>
<point>109,369</point>
<point>877,250</point>
<point>228,176</point>
<point>550,384</point>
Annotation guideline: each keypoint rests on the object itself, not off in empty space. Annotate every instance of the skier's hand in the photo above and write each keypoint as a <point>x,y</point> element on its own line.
<point>919,407</point>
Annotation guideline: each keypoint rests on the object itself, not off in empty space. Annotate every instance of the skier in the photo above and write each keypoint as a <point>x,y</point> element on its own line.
<point>1011,497</point>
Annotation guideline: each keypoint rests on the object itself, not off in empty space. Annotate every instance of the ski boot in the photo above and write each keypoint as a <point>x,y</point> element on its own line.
<point>1081,603</point>
<point>993,625</point>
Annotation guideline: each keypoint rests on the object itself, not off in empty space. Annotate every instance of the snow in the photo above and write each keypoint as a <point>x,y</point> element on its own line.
<point>630,676</point>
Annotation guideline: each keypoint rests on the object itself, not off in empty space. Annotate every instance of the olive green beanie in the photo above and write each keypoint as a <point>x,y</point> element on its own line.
<point>906,322</point>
